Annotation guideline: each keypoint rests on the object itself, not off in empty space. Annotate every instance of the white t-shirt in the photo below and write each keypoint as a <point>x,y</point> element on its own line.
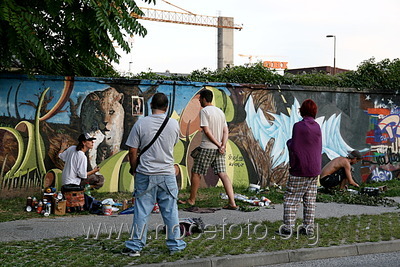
<point>214,118</point>
<point>159,158</point>
<point>75,167</point>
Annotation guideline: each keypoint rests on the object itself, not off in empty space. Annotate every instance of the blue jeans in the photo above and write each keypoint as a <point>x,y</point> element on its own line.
<point>150,189</point>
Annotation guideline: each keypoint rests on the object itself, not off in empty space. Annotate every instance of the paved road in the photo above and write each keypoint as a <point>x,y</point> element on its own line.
<point>74,226</point>
<point>369,260</point>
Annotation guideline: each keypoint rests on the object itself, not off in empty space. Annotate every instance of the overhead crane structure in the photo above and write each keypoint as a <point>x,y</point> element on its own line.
<point>187,18</point>
<point>225,27</point>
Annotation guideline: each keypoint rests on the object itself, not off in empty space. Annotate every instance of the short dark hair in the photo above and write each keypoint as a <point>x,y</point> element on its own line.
<point>207,95</point>
<point>308,108</point>
<point>159,101</point>
<point>355,154</point>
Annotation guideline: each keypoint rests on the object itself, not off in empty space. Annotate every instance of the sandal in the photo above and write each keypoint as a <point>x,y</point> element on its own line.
<point>229,207</point>
<point>185,202</point>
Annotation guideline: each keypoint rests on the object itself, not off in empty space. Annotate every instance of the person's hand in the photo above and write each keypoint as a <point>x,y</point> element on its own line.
<point>355,184</point>
<point>64,144</point>
<point>96,169</point>
<point>222,149</point>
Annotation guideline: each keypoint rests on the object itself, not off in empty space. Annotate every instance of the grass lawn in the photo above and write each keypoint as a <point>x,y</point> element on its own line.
<point>106,251</point>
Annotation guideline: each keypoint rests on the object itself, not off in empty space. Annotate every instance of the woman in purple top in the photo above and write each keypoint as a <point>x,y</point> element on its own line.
<point>305,150</point>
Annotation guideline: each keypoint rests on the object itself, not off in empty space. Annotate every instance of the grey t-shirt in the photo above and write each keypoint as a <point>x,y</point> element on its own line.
<point>159,158</point>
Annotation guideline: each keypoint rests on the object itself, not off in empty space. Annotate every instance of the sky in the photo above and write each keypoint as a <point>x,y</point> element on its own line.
<point>292,31</point>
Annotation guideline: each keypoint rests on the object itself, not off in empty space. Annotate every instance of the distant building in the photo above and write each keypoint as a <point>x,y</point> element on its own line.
<point>170,74</point>
<point>323,69</point>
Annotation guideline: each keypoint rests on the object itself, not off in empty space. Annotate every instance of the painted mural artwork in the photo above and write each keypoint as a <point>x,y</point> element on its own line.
<point>102,116</point>
<point>280,130</point>
<point>38,113</point>
<point>383,137</point>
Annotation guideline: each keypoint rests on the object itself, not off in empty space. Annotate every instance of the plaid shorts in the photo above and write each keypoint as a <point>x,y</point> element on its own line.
<point>208,157</point>
<point>298,189</point>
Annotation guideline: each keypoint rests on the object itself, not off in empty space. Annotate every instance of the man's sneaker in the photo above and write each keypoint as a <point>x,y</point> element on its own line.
<point>284,232</point>
<point>131,253</point>
<point>306,231</point>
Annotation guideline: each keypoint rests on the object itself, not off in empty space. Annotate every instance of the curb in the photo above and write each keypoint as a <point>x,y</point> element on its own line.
<point>287,256</point>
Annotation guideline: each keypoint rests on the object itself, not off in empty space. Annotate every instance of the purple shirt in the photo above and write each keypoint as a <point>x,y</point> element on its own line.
<point>305,148</point>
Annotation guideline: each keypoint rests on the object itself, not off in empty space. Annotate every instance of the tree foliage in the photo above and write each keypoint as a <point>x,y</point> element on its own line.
<point>66,37</point>
<point>379,76</point>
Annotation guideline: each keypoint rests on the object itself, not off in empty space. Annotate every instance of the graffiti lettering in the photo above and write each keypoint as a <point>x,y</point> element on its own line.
<point>379,175</point>
<point>235,157</point>
<point>237,164</point>
<point>382,149</point>
<point>236,160</point>
<point>389,158</point>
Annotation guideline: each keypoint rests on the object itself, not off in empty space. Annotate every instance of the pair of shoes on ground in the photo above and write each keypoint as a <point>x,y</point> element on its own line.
<point>187,201</point>
<point>230,207</point>
<point>131,253</point>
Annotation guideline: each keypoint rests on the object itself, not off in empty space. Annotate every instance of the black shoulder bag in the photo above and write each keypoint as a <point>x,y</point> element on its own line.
<point>151,142</point>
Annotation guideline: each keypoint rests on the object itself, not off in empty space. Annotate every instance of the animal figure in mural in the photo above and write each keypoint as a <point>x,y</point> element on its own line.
<point>102,116</point>
<point>280,130</point>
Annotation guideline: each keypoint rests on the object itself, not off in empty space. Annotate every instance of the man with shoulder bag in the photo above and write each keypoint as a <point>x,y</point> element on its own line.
<point>155,136</point>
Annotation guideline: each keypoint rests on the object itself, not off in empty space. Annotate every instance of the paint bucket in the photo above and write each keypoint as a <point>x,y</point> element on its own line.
<point>107,210</point>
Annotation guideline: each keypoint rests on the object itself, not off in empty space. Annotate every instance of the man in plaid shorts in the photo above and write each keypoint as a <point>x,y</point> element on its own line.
<point>212,149</point>
<point>305,158</point>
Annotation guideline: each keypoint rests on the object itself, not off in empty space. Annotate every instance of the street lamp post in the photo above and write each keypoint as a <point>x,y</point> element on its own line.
<point>334,52</point>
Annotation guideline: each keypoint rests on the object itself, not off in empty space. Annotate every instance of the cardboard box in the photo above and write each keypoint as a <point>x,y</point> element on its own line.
<point>59,207</point>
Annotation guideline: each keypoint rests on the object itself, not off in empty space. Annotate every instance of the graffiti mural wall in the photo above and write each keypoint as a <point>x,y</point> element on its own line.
<point>37,113</point>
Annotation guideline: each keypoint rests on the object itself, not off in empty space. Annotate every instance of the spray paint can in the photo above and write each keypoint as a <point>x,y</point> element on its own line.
<point>48,209</point>
<point>29,204</point>
<point>44,206</point>
<point>39,207</point>
<point>34,203</point>
<point>156,208</point>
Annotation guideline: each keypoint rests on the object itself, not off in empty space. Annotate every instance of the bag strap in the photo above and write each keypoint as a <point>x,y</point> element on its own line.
<point>156,136</point>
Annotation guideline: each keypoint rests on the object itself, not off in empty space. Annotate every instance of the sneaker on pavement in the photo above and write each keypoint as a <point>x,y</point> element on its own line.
<point>131,253</point>
<point>307,232</point>
<point>284,232</point>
